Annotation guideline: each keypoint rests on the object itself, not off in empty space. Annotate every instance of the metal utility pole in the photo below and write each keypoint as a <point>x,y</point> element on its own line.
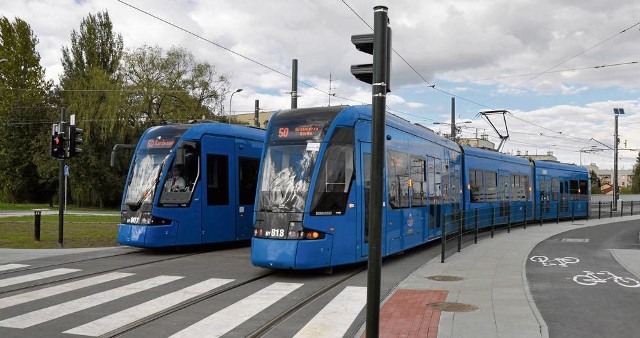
<point>256,114</point>
<point>294,84</point>
<point>379,92</point>
<point>61,183</point>
<point>616,140</point>
<point>453,119</point>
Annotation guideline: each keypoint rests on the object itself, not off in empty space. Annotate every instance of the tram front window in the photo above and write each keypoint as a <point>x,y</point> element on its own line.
<point>286,176</point>
<point>144,176</point>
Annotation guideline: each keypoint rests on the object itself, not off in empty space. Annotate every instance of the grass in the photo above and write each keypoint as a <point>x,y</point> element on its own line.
<point>80,231</point>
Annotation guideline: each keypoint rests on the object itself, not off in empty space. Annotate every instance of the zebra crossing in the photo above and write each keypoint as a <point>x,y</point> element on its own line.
<point>331,321</point>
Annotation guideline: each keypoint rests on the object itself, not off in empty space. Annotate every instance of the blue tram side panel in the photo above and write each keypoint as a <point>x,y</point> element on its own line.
<point>312,199</point>
<point>561,190</point>
<point>213,202</point>
<point>498,186</point>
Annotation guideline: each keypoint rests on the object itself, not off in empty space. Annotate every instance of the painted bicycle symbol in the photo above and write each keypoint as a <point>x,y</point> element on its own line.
<point>559,261</point>
<point>593,278</point>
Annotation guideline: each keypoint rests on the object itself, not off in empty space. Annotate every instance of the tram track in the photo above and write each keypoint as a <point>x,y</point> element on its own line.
<point>190,302</point>
<point>290,311</point>
<point>263,329</point>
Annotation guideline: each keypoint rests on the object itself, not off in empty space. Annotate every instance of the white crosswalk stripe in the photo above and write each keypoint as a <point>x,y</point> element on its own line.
<point>35,276</point>
<point>117,320</point>
<point>57,311</point>
<point>6,267</point>
<point>227,319</point>
<point>335,318</point>
<point>58,289</point>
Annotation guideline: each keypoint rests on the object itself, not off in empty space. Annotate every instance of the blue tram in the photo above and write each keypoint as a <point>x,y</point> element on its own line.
<point>191,184</point>
<point>313,192</point>
<point>312,200</point>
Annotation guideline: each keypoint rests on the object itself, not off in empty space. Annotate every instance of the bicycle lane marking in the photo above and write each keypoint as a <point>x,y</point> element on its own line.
<point>590,278</point>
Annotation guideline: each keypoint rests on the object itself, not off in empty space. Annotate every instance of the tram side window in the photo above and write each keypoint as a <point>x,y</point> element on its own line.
<point>515,184</point>
<point>505,190</point>
<point>584,190</point>
<point>475,183</point>
<point>574,189</point>
<point>491,185</point>
<point>555,188</point>
<point>418,182</point>
<point>398,179</point>
<point>331,191</point>
<point>217,179</point>
<point>524,182</point>
<point>247,179</point>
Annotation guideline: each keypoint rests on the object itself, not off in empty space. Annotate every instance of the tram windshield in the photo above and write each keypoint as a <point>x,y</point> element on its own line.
<point>293,143</point>
<point>148,163</point>
<point>286,176</point>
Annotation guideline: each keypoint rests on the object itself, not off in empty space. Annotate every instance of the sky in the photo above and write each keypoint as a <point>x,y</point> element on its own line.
<point>557,67</point>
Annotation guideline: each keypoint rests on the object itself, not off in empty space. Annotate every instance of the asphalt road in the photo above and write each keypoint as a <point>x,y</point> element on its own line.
<point>580,289</point>
<point>133,282</point>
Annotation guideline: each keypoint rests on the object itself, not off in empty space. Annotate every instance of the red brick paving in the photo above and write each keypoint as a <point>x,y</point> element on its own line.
<point>408,314</point>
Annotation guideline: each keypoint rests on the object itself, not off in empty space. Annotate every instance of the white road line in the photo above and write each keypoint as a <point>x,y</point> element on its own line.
<point>335,318</point>
<point>112,322</point>
<point>35,276</point>
<point>56,290</point>
<point>57,311</point>
<point>12,266</point>
<point>230,317</point>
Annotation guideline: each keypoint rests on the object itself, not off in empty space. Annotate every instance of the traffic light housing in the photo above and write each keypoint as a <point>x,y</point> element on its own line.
<point>364,72</point>
<point>57,145</point>
<point>75,139</point>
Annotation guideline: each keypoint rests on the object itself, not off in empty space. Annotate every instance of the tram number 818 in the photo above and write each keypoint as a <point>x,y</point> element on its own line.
<point>276,233</point>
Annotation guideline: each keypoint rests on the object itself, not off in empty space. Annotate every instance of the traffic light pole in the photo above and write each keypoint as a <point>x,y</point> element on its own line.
<point>61,186</point>
<point>379,91</point>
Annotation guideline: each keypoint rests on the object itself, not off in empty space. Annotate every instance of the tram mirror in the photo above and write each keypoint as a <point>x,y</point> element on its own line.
<point>179,159</point>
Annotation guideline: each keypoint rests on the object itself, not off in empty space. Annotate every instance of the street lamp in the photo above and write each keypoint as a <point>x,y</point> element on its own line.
<point>586,150</point>
<point>229,115</point>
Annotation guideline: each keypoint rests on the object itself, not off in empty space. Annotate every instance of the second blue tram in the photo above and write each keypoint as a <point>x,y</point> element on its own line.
<point>312,200</point>
<point>212,199</point>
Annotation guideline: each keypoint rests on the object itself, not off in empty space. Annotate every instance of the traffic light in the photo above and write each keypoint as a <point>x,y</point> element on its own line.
<point>364,72</point>
<point>57,145</point>
<point>75,139</point>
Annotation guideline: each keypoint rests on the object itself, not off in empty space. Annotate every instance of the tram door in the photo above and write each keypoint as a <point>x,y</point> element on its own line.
<point>364,189</point>
<point>218,189</point>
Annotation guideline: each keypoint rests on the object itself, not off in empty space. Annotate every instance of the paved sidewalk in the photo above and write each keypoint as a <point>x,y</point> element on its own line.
<point>493,280</point>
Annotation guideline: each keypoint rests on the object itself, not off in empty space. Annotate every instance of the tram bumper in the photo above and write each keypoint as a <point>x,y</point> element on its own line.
<point>145,236</point>
<point>291,254</point>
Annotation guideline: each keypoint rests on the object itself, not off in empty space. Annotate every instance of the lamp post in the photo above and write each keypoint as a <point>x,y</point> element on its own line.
<point>586,150</point>
<point>616,141</point>
<point>229,115</point>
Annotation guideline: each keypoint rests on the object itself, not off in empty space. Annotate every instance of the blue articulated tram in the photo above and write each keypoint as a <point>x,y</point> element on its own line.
<point>312,200</point>
<point>191,184</point>
<point>313,192</point>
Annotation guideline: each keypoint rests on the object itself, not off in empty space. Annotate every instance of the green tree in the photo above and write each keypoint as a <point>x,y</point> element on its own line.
<point>171,87</point>
<point>91,89</point>
<point>595,182</point>
<point>25,115</point>
<point>635,183</point>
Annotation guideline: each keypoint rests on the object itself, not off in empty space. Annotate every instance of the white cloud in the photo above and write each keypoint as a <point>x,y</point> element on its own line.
<point>508,44</point>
